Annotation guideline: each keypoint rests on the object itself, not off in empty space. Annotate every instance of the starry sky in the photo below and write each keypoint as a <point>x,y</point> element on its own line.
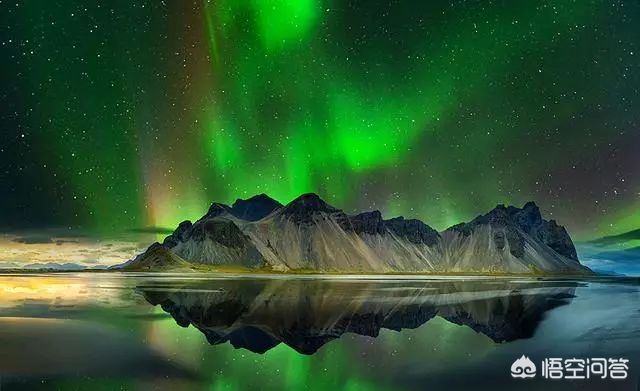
<point>127,114</point>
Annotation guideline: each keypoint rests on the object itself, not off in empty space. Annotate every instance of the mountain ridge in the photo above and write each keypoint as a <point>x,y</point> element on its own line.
<point>309,234</point>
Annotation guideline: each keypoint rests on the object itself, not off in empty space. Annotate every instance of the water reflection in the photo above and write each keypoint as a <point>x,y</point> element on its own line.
<point>259,314</point>
<point>97,331</point>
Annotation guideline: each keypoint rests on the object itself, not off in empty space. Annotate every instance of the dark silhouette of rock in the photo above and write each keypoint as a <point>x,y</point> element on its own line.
<point>251,209</point>
<point>254,208</point>
<point>557,237</point>
<point>511,319</point>
<point>302,209</point>
<point>221,230</point>
<point>181,234</point>
<point>415,231</point>
<point>368,222</point>
<point>372,223</point>
<point>217,209</point>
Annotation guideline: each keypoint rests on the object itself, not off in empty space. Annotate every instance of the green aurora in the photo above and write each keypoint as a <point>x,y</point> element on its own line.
<point>140,114</point>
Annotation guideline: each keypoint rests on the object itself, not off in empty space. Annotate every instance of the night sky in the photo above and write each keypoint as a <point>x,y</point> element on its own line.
<point>126,114</point>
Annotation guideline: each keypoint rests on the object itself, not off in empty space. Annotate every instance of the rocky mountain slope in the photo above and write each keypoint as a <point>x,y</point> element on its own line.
<point>310,235</point>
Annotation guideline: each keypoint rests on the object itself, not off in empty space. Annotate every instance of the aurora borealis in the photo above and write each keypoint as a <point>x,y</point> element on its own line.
<point>118,115</point>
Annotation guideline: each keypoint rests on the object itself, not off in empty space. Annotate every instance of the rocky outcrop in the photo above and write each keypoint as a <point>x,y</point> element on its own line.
<point>309,234</point>
<point>367,223</point>
<point>557,237</point>
<point>181,234</point>
<point>414,231</point>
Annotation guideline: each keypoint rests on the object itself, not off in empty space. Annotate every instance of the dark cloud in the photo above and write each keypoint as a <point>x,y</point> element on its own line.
<point>60,242</point>
<point>43,239</point>
<point>58,236</point>
<point>617,239</point>
<point>34,239</point>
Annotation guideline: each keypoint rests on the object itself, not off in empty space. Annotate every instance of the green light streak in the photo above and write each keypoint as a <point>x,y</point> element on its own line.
<point>213,46</point>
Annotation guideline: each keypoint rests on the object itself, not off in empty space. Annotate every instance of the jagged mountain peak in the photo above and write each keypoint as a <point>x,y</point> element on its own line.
<point>528,217</point>
<point>516,222</point>
<point>217,209</point>
<point>180,234</point>
<point>368,222</point>
<point>251,209</point>
<point>375,214</point>
<point>530,205</point>
<point>309,202</point>
<point>254,208</point>
<point>413,230</point>
<point>525,217</point>
<point>262,197</point>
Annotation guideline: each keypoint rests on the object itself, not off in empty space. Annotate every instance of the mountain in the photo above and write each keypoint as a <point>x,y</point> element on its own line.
<point>308,234</point>
<point>259,314</point>
<point>512,238</point>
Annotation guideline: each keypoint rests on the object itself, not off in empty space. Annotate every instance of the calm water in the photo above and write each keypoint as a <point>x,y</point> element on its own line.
<point>141,332</point>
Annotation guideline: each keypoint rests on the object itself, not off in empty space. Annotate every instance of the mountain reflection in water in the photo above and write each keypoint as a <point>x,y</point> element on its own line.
<point>97,331</point>
<point>305,314</point>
